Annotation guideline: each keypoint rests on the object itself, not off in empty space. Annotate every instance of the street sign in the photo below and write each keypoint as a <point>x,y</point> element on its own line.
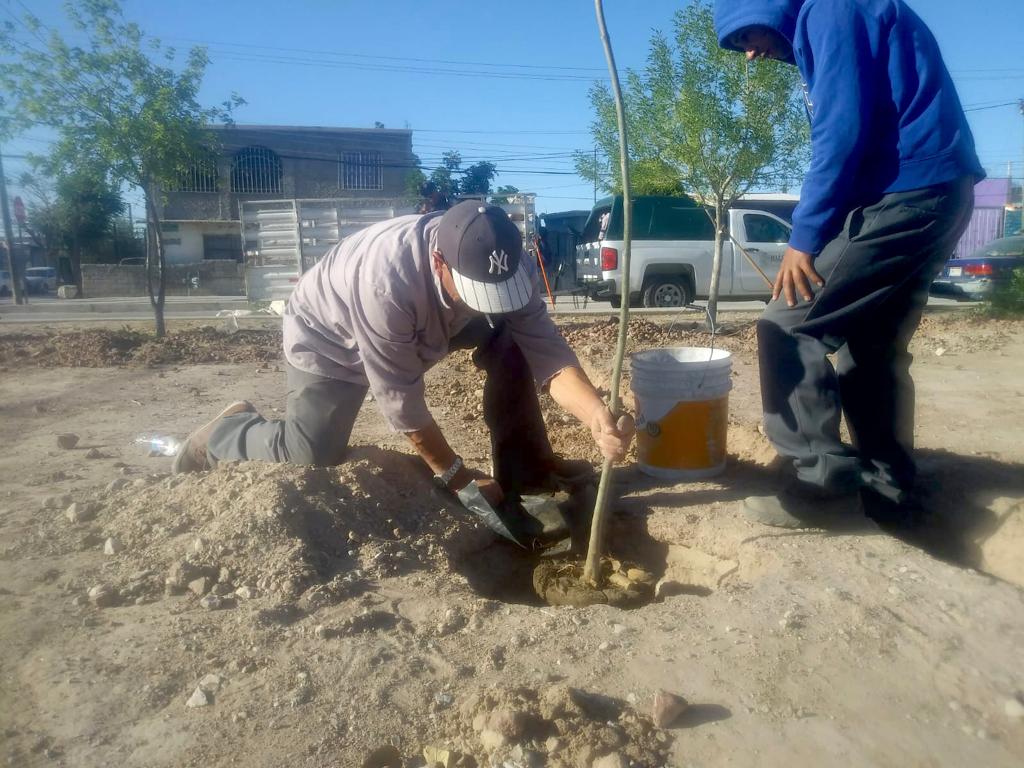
<point>19,210</point>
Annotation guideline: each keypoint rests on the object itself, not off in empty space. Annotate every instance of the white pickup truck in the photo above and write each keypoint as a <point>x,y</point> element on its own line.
<point>673,249</point>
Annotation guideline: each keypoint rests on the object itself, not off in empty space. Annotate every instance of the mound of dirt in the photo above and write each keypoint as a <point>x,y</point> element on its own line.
<point>596,340</point>
<point>103,348</point>
<point>253,529</point>
<point>558,726</point>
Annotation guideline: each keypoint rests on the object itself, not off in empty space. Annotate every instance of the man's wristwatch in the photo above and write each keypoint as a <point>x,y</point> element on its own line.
<point>449,474</point>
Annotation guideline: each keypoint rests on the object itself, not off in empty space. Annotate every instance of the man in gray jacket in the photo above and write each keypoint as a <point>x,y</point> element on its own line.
<point>384,306</point>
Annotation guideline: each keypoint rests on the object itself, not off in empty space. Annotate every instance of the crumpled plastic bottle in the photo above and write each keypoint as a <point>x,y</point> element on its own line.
<point>159,445</point>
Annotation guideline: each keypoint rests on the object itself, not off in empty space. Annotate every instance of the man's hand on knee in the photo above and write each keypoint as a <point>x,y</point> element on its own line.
<point>796,273</point>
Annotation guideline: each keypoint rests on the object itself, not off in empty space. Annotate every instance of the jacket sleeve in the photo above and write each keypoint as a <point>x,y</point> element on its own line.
<point>844,71</point>
<point>386,335</point>
<point>535,333</point>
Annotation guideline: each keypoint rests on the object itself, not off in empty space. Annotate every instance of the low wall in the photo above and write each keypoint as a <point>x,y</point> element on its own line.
<point>216,278</point>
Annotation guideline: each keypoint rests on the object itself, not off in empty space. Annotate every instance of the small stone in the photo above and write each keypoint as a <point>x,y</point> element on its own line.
<point>67,440</point>
<point>224,575</point>
<point>1014,709</point>
<point>492,740</point>
<point>553,744</point>
<point>95,453</point>
<point>480,722</point>
<point>613,760</point>
<point>239,717</point>
<point>324,633</point>
<point>112,546</point>
<point>618,629</point>
<point>199,698</point>
<point>508,722</point>
<point>222,589</point>
<point>245,593</point>
<point>103,596</point>
<point>453,621</point>
<point>212,602</point>
<point>199,586</point>
<point>443,699</point>
<point>116,485</point>
<point>667,708</point>
<point>210,683</point>
<point>80,600</point>
<point>80,512</point>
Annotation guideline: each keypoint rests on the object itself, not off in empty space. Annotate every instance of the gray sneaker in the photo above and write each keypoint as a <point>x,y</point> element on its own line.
<point>798,507</point>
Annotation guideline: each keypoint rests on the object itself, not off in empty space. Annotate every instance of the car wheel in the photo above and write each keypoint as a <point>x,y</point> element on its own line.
<point>616,302</point>
<point>5,291</point>
<point>667,292</point>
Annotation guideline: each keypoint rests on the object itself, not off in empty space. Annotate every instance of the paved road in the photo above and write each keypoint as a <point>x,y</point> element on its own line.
<point>52,310</point>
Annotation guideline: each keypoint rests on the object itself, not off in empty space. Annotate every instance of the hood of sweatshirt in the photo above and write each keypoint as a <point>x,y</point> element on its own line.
<point>731,16</point>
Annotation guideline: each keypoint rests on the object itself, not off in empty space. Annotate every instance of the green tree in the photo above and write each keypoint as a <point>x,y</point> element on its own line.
<point>444,176</point>
<point>503,193</point>
<point>415,178</point>
<point>119,101</point>
<point>703,121</point>
<point>72,209</point>
<point>477,178</point>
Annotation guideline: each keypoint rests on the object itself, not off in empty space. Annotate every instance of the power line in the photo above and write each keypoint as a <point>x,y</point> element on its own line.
<point>404,69</point>
<point>992,106</point>
<point>342,54</point>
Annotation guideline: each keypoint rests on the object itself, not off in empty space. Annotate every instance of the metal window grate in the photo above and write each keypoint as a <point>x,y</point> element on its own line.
<point>362,170</point>
<point>256,170</point>
<point>200,176</point>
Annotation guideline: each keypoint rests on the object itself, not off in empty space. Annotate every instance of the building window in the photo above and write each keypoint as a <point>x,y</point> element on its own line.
<point>222,247</point>
<point>200,176</point>
<point>256,170</point>
<point>362,170</point>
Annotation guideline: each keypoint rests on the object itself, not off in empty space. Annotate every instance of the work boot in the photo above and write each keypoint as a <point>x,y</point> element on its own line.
<point>903,514</point>
<point>192,457</point>
<point>558,474</point>
<point>803,506</point>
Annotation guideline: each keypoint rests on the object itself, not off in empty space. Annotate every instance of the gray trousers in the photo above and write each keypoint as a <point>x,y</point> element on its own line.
<point>321,412</point>
<point>877,276</point>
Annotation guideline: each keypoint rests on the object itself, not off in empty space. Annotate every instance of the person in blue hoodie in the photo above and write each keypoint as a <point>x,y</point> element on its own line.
<point>889,191</point>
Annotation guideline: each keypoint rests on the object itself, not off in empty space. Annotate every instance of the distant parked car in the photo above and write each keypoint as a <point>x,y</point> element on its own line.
<point>976,276</point>
<point>40,279</point>
<point>6,285</point>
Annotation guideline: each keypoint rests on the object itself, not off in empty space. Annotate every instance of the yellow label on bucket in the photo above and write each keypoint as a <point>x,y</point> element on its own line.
<point>691,436</point>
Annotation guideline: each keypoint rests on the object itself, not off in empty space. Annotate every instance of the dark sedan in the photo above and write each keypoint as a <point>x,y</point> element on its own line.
<point>975,277</point>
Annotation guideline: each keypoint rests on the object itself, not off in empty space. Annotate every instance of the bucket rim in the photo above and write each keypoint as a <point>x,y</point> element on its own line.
<point>711,355</point>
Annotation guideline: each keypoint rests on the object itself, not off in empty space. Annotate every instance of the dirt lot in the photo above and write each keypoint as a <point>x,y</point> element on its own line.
<point>271,615</point>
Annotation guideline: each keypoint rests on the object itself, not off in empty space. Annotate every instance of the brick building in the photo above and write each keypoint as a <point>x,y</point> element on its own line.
<point>200,216</point>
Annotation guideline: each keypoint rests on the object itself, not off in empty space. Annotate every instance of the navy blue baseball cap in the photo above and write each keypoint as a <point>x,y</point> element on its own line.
<point>484,251</point>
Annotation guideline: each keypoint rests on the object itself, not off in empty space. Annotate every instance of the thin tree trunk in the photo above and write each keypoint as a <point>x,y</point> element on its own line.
<point>716,267</point>
<point>155,257</point>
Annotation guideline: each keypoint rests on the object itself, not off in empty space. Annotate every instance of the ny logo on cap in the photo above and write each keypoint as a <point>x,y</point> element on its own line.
<point>499,263</point>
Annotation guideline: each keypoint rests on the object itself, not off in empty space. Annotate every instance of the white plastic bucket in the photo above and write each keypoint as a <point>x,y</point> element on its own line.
<point>682,402</point>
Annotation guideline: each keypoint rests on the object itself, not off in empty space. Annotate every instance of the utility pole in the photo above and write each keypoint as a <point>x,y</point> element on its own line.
<point>595,174</point>
<point>9,236</point>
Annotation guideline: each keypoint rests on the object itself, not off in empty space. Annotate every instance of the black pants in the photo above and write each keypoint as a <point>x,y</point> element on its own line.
<point>321,412</point>
<point>877,275</point>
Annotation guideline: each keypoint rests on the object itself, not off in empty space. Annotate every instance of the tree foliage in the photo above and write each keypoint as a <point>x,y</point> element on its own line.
<point>71,209</point>
<point>701,121</point>
<point>120,101</point>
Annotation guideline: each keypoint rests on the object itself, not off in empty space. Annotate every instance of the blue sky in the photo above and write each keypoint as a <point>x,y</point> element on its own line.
<point>344,63</point>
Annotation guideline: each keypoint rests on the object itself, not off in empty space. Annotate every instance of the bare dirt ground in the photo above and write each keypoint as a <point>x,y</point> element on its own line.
<point>271,615</point>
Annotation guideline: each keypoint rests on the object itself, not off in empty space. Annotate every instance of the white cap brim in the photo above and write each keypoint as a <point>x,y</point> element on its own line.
<point>495,298</point>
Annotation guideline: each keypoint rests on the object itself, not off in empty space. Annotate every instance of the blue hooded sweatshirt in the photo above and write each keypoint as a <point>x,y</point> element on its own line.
<point>885,116</point>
